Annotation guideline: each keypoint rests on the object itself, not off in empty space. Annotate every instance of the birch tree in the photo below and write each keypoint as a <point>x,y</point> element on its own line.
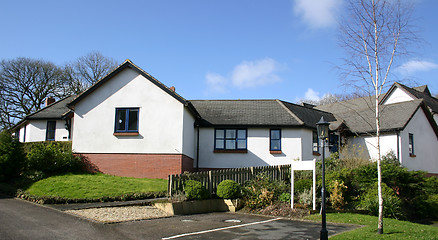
<point>375,34</point>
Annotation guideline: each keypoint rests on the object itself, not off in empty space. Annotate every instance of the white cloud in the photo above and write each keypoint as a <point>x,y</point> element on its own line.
<point>255,73</point>
<point>216,82</point>
<point>312,95</point>
<point>414,66</point>
<point>317,13</point>
<point>248,74</point>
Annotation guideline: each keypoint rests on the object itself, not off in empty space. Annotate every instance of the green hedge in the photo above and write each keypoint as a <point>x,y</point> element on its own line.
<point>11,157</point>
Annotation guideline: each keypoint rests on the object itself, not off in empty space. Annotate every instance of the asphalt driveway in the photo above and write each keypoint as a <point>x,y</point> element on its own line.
<point>23,220</point>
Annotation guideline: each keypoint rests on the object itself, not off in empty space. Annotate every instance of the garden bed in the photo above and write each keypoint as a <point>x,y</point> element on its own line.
<point>199,206</point>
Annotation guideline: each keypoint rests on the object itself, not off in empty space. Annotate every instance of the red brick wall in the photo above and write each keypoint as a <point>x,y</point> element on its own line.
<point>140,165</point>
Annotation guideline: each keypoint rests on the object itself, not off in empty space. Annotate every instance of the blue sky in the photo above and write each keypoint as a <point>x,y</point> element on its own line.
<point>228,49</point>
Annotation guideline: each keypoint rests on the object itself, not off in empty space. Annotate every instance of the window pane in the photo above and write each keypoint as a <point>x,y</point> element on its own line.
<point>220,133</point>
<point>241,144</point>
<point>133,120</point>
<point>230,133</point>
<point>120,120</point>
<point>275,145</point>
<point>51,128</point>
<point>219,143</point>
<point>275,134</point>
<point>230,144</point>
<point>315,147</point>
<point>241,134</point>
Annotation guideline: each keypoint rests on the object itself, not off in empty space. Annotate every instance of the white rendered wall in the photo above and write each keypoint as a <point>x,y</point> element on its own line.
<point>366,146</point>
<point>189,134</point>
<point>398,95</point>
<point>258,149</point>
<point>160,118</point>
<point>425,144</point>
<point>36,131</point>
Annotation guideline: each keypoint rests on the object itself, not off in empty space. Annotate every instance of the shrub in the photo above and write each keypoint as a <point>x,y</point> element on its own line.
<point>305,198</point>
<point>11,156</point>
<point>337,195</point>
<point>46,159</point>
<point>285,197</point>
<point>302,185</point>
<point>229,189</point>
<point>262,191</point>
<point>392,205</point>
<point>195,190</point>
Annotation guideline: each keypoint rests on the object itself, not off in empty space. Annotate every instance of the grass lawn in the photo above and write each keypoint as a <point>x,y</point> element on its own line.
<point>392,229</point>
<point>92,186</point>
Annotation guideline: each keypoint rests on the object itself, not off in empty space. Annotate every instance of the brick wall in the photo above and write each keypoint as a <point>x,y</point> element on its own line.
<point>140,165</point>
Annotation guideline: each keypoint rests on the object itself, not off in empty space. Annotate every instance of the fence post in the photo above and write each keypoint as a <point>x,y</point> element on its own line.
<point>210,183</point>
<point>169,185</point>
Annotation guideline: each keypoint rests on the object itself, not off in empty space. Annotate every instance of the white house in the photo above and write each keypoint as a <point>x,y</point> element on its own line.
<point>408,129</point>
<point>51,123</point>
<point>130,124</point>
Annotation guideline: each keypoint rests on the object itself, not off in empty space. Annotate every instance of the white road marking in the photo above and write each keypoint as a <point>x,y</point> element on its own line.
<point>220,229</point>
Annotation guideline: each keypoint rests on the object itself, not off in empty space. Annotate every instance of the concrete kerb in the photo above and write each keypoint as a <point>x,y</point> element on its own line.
<point>78,206</point>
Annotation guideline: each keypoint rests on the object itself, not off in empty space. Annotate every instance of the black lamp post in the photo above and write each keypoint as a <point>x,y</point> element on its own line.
<point>323,129</point>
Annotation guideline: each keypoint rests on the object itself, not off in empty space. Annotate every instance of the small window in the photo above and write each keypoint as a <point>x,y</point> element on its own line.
<point>275,140</point>
<point>230,139</point>
<point>50,131</point>
<point>411,145</point>
<point>315,142</point>
<point>126,120</point>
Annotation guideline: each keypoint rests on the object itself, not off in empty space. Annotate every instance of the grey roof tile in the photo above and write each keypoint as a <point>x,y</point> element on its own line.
<point>256,113</point>
<point>56,110</point>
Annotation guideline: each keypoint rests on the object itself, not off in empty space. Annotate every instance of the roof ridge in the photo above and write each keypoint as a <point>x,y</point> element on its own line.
<point>289,111</point>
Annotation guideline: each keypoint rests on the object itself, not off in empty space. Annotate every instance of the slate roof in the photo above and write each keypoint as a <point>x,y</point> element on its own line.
<point>256,113</point>
<point>422,92</point>
<point>56,110</point>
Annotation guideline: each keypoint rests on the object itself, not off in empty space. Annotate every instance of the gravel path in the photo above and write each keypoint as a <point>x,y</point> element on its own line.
<point>120,214</point>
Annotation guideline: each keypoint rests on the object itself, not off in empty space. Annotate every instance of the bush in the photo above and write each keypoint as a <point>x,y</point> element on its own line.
<point>337,195</point>
<point>285,197</point>
<point>262,191</point>
<point>229,189</point>
<point>11,156</point>
<point>195,190</point>
<point>392,205</point>
<point>302,185</point>
<point>50,158</point>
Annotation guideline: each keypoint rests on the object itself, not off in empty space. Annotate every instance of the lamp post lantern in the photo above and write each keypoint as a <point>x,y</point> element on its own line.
<point>322,128</point>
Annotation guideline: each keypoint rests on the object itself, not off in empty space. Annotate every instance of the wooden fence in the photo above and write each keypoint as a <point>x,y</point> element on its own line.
<point>210,179</point>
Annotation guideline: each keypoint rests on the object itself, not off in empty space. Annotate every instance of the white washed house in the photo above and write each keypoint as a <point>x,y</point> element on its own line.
<point>408,128</point>
<point>51,123</point>
<point>130,124</point>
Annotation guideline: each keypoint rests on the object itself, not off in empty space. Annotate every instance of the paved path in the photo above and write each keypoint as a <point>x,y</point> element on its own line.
<point>23,220</point>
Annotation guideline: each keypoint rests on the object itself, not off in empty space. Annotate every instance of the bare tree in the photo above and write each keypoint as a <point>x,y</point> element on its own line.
<point>330,98</point>
<point>375,33</point>
<point>87,70</point>
<point>24,85</point>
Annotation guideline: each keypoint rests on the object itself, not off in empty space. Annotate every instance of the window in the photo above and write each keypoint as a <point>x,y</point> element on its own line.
<point>230,139</point>
<point>411,145</point>
<point>315,142</point>
<point>50,131</point>
<point>275,140</point>
<point>126,120</point>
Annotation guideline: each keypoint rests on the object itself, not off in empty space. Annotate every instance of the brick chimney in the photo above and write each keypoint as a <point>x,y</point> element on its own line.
<point>49,100</point>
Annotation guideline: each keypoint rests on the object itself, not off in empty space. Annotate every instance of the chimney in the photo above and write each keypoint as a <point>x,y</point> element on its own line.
<point>172,89</point>
<point>49,100</point>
